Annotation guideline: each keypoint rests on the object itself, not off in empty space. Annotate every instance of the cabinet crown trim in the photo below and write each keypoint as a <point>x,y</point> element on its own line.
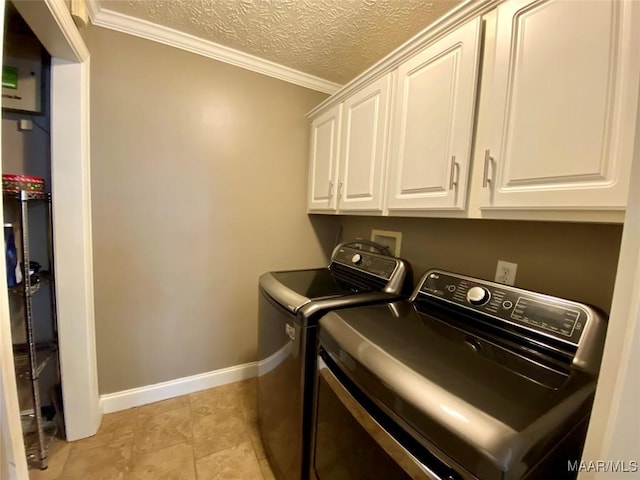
<point>463,13</point>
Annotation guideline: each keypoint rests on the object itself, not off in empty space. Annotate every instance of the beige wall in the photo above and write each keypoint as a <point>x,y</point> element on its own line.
<point>198,187</point>
<point>570,260</point>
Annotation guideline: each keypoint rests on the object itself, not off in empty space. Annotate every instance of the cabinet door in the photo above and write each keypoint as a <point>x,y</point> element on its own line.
<point>323,165</point>
<point>433,124</point>
<point>364,147</point>
<point>564,98</point>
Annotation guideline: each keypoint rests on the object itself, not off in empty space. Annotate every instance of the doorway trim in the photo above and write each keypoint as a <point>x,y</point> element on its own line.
<point>13,464</point>
<point>51,21</point>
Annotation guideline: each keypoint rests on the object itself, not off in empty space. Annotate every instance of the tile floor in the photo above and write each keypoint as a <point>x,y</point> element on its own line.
<point>202,436</point>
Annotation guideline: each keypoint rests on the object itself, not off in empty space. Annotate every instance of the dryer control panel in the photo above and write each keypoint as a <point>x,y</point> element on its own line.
<point>378,265</point>
<point>561,319</point>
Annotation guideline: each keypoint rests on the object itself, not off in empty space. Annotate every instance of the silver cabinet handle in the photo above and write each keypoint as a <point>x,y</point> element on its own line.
<point>340,183</point>
<point>485,175</point>
<point>455,172</point>
<point>330,189</point>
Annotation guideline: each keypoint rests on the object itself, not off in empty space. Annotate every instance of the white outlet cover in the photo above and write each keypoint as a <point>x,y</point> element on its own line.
<point>393,240</point>
<point>506,272</point>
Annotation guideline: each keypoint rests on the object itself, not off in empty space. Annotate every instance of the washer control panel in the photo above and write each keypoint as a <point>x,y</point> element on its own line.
<point>367,262</point>
<point>551,316</point>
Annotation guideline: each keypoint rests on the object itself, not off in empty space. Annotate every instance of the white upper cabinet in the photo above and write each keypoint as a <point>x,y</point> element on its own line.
<point>323,167</point>
<point>363,148</point>
<point>564,97</point>
<point>432,124</point>
<point>555,126</point>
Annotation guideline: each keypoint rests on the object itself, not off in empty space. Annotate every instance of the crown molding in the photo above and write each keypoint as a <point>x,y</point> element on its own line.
<point>119,22</point>
<point>465,12</point>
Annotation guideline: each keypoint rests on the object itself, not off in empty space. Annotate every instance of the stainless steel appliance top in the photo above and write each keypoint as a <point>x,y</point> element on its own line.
<point>561,327</point>
<point>490,377</point>
<point>351,272</point>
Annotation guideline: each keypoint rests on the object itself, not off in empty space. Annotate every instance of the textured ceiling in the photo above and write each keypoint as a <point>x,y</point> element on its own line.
<point>332,39</point>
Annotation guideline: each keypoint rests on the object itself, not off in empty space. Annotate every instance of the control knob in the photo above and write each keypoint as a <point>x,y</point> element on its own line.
<point>356,259</point>
<point>478,295</point>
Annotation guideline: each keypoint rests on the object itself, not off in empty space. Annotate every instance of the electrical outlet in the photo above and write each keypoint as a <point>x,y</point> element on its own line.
<point>506,272</point>
<point>393,240</point>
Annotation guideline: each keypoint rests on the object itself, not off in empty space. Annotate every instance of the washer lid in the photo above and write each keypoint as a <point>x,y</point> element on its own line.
<point>294,289</point>
<point>471,398</point>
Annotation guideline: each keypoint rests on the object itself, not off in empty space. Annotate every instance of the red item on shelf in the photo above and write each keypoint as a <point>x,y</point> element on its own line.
<point>14,183</point>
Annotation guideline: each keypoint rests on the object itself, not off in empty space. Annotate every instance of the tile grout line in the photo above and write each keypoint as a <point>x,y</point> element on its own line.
<point>66,461</point>
<point>252,422</point>
<point>193,450</point>
<point>130,464</point>
<point>249,423</point>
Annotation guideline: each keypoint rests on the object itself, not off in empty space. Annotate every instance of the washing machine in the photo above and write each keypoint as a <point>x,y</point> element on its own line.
<point>290,305</point>
<point>468,380</point>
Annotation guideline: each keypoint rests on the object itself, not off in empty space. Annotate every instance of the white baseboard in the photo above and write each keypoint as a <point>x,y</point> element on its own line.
<point>272,361</point>
<point>114,402</point>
